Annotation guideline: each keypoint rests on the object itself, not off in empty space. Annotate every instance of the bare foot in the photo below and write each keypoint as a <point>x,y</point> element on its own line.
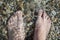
<point>15,27</point>
<point>43,25</point>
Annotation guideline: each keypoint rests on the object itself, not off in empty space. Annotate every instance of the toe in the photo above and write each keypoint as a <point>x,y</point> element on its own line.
<point>45,15</point>
<point>19,13</point>
<point>49,21</point>
<point>40,13</point>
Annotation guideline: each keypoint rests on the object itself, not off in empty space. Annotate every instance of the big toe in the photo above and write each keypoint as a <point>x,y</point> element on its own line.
<point>40,13</point>
<point>20,13</point>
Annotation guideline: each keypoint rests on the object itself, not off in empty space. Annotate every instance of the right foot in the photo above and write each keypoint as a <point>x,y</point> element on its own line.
<point>43,25</point>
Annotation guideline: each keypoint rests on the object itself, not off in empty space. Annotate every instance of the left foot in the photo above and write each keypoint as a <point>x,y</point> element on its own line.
<point>15,27</point>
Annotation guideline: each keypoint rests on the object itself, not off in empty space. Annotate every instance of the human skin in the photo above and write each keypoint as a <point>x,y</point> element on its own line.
<point>42,26</point>
<point>15,27</point>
